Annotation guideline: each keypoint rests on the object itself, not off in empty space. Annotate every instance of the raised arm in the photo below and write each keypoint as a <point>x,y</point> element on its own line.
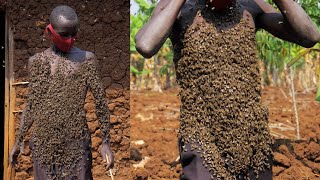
<point>154,33</point>
<point>292,24</point>
<point>102,110</point>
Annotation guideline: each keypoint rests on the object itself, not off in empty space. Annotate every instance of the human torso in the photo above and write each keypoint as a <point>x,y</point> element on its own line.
<point>58,87</point>
<point>189,17</point>
<point>217,69</point>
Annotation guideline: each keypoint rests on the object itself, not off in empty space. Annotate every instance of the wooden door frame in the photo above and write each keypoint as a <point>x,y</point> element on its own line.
<point>9,133</point>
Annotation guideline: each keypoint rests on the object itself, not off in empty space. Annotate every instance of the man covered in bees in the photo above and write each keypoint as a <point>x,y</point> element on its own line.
<point>224,127</point>
<point>59,80</point>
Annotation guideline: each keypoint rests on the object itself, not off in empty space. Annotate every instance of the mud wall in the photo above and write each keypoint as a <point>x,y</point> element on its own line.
<point>104,30</point>
<point>3,4</point>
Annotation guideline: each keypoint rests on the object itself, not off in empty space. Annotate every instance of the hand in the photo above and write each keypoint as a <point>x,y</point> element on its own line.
<point>14,154</point>
<point>106,151</point>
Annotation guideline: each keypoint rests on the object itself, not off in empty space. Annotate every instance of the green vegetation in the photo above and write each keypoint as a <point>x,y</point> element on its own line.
<point>276,55</point>
<point>160,66</point>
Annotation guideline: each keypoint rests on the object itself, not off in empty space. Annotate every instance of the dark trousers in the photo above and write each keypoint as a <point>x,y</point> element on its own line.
<point>84,165</point>
<point>193,168</point>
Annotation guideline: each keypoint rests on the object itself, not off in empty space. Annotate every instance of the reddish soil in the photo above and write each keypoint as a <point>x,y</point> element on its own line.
<point>155,120</point>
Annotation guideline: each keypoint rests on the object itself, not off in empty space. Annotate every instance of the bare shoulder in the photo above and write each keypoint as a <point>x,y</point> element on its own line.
<point>257,7</point>
<point>91,57</point>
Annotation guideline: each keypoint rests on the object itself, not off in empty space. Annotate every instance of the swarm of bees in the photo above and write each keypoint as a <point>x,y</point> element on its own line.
<point>221,113</point>
<point>56,103</point>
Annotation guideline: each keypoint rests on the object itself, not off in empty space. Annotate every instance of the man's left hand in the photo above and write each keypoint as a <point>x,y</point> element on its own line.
<point>107,152</point>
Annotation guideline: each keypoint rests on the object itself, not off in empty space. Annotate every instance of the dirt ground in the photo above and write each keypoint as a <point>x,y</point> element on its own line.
<point>155,123</point>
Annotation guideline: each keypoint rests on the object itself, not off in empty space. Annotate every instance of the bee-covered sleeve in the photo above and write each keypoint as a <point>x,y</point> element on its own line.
<point>26,122</point>
<point>26,118</point>
<point>102,110</point>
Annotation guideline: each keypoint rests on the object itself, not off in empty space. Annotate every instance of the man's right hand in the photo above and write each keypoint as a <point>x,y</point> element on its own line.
<point>14,154</point>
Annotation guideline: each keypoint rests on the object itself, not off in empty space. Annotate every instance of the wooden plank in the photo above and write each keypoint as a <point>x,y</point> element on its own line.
<point>6,106</point>
<point>12,96</point>
<point>9,172</point>
<point>20,83</point>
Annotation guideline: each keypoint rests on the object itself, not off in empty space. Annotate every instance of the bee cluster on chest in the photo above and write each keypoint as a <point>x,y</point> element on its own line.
<point>221,113</point>
<point>57,108</point>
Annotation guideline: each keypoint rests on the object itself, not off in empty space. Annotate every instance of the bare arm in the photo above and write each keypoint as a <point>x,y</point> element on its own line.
<point>154,33</point>
<point>292,24</point>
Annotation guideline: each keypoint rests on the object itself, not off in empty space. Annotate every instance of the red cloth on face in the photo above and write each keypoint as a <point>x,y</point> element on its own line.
<point>62,43</point>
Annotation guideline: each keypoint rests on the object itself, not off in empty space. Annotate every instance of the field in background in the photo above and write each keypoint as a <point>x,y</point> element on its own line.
<point>155,121</point>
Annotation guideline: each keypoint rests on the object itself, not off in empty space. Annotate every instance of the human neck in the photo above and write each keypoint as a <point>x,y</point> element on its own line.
<point>58,52</point>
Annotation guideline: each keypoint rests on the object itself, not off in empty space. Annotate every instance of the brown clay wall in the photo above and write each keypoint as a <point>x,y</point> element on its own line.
<point>104,30</point>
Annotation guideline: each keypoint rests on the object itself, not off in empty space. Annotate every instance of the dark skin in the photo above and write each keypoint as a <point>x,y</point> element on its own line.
<point>76,56</point>
<point>291,24</point>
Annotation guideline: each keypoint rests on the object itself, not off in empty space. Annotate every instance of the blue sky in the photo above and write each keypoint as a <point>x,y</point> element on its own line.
<point>133,7</point>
